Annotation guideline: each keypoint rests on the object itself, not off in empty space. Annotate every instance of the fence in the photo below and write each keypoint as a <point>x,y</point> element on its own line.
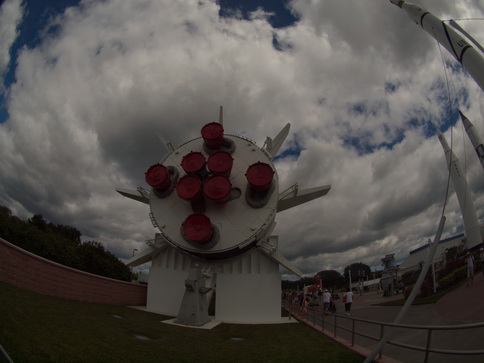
<point>369,332</point>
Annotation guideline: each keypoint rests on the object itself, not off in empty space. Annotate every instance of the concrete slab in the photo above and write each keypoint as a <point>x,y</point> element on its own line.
<point>210,325</point>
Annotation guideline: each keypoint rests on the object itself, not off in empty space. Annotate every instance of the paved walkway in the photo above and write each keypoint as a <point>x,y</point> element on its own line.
<point>461,306</point>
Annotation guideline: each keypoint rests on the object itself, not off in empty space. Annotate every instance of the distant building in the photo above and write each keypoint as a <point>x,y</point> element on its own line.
<point>389,274</point>
<point>419,255</point>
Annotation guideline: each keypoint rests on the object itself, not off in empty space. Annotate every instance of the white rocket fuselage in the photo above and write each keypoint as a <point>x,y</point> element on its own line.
<point>457,45</point>
<point>474,137</point>
<point>467,206</point>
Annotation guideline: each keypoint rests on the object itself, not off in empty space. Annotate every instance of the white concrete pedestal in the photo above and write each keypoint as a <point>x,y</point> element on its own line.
<point>248,288</point>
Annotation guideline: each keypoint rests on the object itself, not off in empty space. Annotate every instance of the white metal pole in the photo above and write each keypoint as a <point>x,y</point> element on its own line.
<point>412,295</point>
<point>434,285</point>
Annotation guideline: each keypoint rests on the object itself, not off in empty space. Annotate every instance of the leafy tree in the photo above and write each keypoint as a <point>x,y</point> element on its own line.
<point>331,279</point>
<point>71,233</point>
<point>95,259</point>
<point>38,221</point>
<point>62,244</point>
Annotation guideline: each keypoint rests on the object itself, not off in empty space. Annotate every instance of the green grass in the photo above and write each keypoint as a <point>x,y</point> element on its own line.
<point>38,328</point>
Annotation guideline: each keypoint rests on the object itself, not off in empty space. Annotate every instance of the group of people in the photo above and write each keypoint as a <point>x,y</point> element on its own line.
<point>321,298</point>
<point>328,301</point>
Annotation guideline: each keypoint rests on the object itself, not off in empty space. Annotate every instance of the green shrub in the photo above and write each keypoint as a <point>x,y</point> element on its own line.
<point>460,273</point>
<point>454,277</point>
<point>447,281</point>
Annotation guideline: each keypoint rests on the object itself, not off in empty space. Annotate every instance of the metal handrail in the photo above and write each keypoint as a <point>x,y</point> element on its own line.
<point>303,314</point>
<point>5,355</point>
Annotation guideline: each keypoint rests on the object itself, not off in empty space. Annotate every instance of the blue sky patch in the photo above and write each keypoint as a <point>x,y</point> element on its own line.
<point>364,146</point>
<point>293,151</point>
<point>31,30</point>
<point>33,27</point>
<point>283,19</point>
<point>289,153</point>
<point>360,144</point>
<point>391,87</point>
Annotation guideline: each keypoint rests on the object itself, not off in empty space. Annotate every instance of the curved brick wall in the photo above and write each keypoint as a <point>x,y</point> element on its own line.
<point>31,272</point>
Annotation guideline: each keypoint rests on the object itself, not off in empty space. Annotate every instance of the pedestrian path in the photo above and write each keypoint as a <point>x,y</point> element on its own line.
<point>463,305</point>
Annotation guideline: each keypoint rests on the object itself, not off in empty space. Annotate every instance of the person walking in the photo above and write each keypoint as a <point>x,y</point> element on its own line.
<point>326,300</point>
<point>470,269</point>
<point>348,300</point>
<point>481,253</point>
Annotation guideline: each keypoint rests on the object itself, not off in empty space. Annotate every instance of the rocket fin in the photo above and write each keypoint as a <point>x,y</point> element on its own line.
<point>145,255</point>
<point>221,116</point>
<point>465,120</point>
<point>272,146</point>
<point>293,197</point>
<point>140,195</point>
<point>269,248</point>
<point>166,143</point>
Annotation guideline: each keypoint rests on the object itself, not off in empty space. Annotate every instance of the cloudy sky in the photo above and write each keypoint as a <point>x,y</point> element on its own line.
<point>87,85</point>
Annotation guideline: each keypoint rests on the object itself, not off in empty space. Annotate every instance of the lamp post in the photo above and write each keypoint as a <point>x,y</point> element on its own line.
<point>134,250</point>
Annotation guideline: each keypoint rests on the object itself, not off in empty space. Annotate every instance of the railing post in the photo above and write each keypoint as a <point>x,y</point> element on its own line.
<point>353,323</point>
<point>322,319</point>
<point>335,324</point>
<point>297,311</point>
<point>382,330</point>
<point>427,347</point>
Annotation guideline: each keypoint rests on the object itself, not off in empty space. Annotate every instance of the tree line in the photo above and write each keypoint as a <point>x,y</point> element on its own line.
<point>332,279</point>
<point>61,244</point>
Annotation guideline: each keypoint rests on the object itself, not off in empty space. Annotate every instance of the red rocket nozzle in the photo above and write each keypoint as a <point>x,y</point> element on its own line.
<point>213,135</point>
<point>158,177</point>
<point>220,162</point>
<point>189,187</point>
<point>259,176</point>
<point>193,162</point>
<point>217,188</point>
<point>197,228</point>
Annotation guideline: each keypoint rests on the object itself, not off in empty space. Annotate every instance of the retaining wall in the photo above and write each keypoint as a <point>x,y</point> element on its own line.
<point>28,271</point>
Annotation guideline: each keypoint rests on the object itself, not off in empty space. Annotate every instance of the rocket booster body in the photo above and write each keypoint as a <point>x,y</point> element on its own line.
<point>458,46</point>
<point>466,203</point>
<point>474,137</point>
